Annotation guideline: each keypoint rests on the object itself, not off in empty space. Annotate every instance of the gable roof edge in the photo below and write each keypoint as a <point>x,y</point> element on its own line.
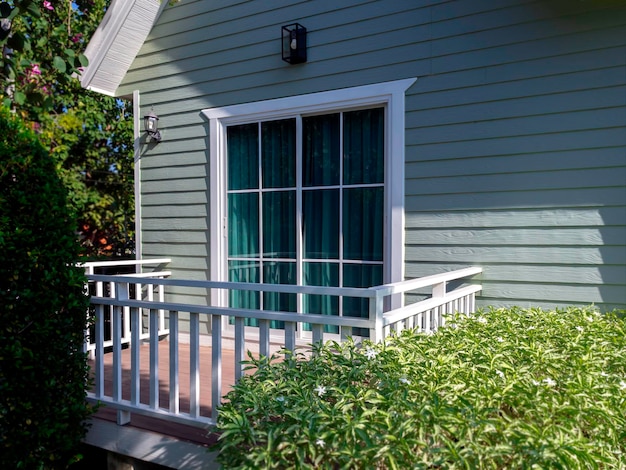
<point>108,66</point>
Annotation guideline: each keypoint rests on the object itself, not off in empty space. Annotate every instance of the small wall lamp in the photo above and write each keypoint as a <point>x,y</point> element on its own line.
<point>294,43</point>
<point>151,125</point>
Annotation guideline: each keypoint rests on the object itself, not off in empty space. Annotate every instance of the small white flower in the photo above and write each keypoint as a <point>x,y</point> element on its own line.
<point>320,442</point>
<point>404,380</point>
<point>482,320</point>
<point>589,319</point>
<point>320,389</point>
<point>370,353</point>
<point>622,385</point>
<point>549,382</point>
<point>530,328</point>
<point>535,382</point>
<point>499,339</point>
<point>580,328</point>
<point>500,374</point>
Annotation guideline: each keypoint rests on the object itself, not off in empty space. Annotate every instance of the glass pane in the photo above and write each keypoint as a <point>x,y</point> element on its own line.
<point>363,224</point>
<point>320,220</point>
<point>278,158</point>
<point>243,156</point>
<point>279,273</point>
<point>279,224</point>
<point>320,152</point>
<point>360,275</point>
<point>321,274</point>
<point>244,271</point>
<point>243,225</point>
<point>363,146</point>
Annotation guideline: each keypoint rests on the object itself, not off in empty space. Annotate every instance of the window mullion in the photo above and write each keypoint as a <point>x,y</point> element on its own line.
<point>299,227</point>
<point>341,150</point>
<point>260,209</point>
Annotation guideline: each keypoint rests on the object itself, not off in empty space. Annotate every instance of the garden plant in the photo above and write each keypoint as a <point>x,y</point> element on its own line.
<point>43,370</point>
<point>506,388</point>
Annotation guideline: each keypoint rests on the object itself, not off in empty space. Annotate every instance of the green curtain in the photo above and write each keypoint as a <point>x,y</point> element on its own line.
<point>364,146</point>
<point>243,225</point>
<point>279,224</point>
<point>243,156</point>
<point>278,156</point>
<point>321,150</point>
<point>321,274</point>
<point>320,223</point>
<point>363,213</point>
<point>360,275</point>
<point>244,271</point>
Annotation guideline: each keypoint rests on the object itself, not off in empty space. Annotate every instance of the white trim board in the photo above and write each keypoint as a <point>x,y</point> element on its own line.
<point>389,94</point>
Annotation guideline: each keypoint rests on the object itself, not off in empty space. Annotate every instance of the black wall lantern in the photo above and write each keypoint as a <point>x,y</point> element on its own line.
<point>151,125</point>
<point>294,43</point>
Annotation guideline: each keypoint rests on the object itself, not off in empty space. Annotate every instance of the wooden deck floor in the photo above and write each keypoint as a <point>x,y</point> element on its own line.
<point>187,433</point>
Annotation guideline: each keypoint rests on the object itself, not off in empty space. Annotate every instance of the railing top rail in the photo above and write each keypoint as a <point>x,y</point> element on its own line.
<point>154,274</point>
<point>128,262</point>
<point>248,286</point>
<point>426,281</point>
<point>377,291</point>
<point>402,313</point>
<point>237,312</point>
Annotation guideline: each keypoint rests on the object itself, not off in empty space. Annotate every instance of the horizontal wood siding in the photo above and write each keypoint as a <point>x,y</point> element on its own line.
<point>515,128</point>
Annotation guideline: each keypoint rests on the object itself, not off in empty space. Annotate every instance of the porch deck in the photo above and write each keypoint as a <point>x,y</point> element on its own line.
<point>193,434</point>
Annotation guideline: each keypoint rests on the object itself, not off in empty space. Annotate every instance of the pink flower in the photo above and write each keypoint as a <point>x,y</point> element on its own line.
<point>33,72</point>
<point>77,37</point>
<point>48,5</point>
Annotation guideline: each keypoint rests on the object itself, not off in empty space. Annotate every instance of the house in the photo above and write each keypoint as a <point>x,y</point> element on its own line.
<point>416,137</point>
<point>500,129</point>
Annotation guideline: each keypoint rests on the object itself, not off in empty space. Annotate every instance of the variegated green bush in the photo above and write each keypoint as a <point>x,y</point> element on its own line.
<point>503,389</point>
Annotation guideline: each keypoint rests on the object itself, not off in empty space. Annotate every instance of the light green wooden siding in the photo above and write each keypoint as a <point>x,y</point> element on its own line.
<point>515,128</point>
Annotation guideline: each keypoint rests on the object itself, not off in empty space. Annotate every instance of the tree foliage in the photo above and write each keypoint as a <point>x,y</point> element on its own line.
<point>89,135</point>
<point>43,370</point>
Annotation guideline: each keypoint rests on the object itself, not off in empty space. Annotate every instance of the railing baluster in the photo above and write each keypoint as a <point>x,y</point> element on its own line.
<point>121,294</point>
<point>264,337</point>
<point>111,311</point>
<point>346,332</point>
<point>161,289</point>
<point>318,333</point>
<point>216,364</point>
<point>135,345</point>
<point>290,336</point>
<point>154,359</point>
<point>174,360</point>
<point>376,304</point>
<point>240,345</point>
<point>194,365</point>
<point>99,352</point>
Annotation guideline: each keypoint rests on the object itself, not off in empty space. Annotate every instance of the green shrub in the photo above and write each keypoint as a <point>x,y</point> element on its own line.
<point>43,370</point>
<point>503,389</point>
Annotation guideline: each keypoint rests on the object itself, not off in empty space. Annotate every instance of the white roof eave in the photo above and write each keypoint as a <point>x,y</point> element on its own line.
<point>116,42</point>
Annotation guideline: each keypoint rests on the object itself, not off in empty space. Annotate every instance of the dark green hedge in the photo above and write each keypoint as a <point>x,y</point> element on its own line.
<point>43,371</point>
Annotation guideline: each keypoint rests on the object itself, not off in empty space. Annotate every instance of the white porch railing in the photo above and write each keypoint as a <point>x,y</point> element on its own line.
<point>140,291</point>
<point>425,314</point>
